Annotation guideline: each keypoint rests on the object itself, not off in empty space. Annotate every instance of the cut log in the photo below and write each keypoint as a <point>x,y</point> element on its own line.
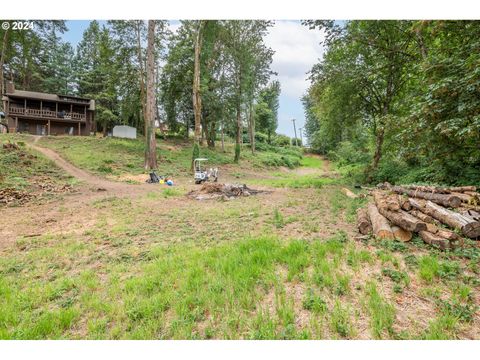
<point>384,201</point>
<point>399,217</point>
<point>349,193</point>
<point>472,213</point>
<point>463,188</point>
<point>363,222</point>
<point>404,203</point>
<point>467,224</point>
<point>381,227</point>
<point>474,197</point>
<point>432,228</point>
<point>436,240</point>
<point>429,189</point>
<point>464,197</point>
<point>404,220</point>
<point>401,234</point>
<point>443,233</point>
<point>442,199</point>
<point>424,217</point>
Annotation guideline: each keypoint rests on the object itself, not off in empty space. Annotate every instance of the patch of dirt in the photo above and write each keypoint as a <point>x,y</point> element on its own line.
<point>210,191</point>
<point>131,178</point>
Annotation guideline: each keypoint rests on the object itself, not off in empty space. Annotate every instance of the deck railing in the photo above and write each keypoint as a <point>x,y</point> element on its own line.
<point>46,113</point>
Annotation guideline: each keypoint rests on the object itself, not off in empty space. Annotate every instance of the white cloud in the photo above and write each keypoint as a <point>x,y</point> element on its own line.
<point>297,49</point>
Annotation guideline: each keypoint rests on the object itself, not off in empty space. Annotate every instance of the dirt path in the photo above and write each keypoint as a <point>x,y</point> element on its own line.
<point>97,182</point>
<point>321,171</point>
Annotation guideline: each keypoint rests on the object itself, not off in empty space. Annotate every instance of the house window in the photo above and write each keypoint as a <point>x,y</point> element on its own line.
<point>69,130</point>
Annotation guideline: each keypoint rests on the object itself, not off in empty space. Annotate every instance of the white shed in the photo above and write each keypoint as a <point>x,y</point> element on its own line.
<point>124,131</point>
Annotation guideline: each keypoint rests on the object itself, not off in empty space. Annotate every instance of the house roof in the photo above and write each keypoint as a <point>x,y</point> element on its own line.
<point>45,96</point>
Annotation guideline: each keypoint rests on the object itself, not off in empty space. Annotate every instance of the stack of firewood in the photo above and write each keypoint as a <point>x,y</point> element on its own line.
<point>441,216</point>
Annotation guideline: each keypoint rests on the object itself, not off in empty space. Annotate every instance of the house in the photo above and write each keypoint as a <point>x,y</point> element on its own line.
<point>47,114</point>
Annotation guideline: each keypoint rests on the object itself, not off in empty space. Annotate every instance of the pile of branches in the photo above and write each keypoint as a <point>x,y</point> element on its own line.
<point>11,146</point>
<point>51,187</point>
<point>9,196</point>
<point>440,216</point>
<point>222,191</point>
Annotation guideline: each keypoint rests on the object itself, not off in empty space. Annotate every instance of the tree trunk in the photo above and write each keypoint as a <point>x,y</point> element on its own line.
<point>384,201</point>
<point>442,199</point>
<point>424,217</point>
<point>436,240</point>
<point>141,73</point>
<point>239,132</point>
<point>404,220</point>
<point>401,234</point>
<point>2,61</point>
<point>443,233</point>
<point>251,128</point>
<point>463,188</point>
<point>349,193</point>
<point>430,189</point>
<point>197,100</point>
<point>363,222</point>
<point>381,227</point>
<point>104,129</point>
<point>378,148</point>
<point>465,198</point>
<point>151,145</point>
<point>468,225</point>
<point>223,138</point>
<point>211,134</point>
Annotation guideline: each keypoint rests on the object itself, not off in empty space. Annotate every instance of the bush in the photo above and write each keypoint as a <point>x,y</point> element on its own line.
<point>347,153</point>
<point>261,138</point>
<point>281,140</point>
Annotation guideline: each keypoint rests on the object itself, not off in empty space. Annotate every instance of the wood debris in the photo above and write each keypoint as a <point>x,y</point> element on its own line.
<point>223,191</point>
<point>441,216</point>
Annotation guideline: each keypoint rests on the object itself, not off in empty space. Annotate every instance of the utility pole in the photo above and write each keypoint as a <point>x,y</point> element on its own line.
<point>295,130</point>
<point>301,137</point>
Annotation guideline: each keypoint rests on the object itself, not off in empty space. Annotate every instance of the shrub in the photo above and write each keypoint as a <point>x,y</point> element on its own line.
<point>261,138</point>
<point>347,153</point>
<point>281,140</point>
<point>314,303</point>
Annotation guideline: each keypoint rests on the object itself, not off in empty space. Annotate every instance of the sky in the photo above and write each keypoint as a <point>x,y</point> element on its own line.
<point>296,48</point>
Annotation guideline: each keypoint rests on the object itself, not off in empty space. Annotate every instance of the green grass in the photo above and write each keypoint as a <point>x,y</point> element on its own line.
<point>382,314</point>
<point>444,327</point>
<point>181,291</point>
<point>431,268</point>
<point>312,162</point>
<point>112,156</point>
<point>340,320</point>
<point>297,182</point>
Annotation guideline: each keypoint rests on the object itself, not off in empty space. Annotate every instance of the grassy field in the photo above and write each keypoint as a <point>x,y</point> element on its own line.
<point>283,265</point>
<point>110,156</point>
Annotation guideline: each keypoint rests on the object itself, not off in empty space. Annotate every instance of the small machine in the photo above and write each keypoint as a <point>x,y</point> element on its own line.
<point>201,174</point>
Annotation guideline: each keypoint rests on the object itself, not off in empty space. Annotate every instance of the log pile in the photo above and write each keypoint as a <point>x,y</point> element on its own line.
<point>223,191</point>
<point>440,216</point>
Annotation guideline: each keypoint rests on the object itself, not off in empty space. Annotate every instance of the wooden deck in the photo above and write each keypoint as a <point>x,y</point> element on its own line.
<point>46,114</point>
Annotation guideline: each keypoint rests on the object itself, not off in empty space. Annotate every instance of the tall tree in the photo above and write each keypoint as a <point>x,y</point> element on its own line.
<point>151,145</point>
<point>244,43</point>
<point>266,109</point>
<point>197,99</point>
